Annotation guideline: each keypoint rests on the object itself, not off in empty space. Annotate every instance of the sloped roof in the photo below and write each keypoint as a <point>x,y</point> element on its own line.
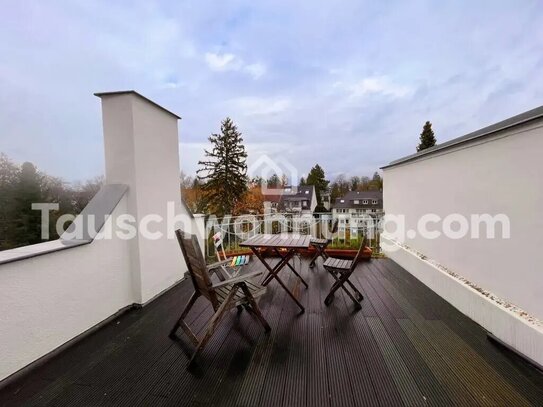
<point>302,192</point>
<point>349,198</point>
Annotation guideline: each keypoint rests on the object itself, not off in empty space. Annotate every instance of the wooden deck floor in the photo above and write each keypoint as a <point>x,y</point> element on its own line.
<point>405,347</point>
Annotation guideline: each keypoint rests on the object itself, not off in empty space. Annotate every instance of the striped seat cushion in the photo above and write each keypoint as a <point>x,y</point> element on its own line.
<point>240,260</point>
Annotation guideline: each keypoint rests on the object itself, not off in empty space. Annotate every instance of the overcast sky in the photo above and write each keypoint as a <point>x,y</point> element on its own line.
<point>345,84</point>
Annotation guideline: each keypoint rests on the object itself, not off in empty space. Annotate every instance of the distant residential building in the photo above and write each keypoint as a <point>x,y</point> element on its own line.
<point>271,200</point>
<point>301,199</point>
<point>354,207</point>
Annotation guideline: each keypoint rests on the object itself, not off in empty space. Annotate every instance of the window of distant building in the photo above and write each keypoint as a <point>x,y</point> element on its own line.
<point>365,202</point>
<point>375,202</point>
<point>356,202</point>
<point>342,200</point>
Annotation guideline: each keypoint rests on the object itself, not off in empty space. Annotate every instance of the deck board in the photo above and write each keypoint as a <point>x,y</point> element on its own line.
<point>406,346</point>
<point>433,394</point>
<point>513,369</point>
<point>294,393</point>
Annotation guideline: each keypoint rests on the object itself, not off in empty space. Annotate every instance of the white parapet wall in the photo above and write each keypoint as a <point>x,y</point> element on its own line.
<point>52,292</point>
<point>51,298</point>
<point>497,281</point>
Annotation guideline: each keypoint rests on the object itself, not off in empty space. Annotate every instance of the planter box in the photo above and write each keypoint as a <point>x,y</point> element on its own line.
<point>349,253</point>
<point>240,252</point>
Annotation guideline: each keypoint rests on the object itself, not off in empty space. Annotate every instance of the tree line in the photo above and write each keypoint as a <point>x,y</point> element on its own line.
<point>341,185</point>
<point>222,185</point>
<point>23,185</point>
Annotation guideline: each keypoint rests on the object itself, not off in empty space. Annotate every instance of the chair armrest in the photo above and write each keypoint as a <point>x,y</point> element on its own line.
<point>238,279</point>
<point>218,264</point>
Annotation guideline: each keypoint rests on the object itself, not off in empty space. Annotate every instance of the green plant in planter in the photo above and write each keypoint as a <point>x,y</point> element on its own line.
<point>347,244</point>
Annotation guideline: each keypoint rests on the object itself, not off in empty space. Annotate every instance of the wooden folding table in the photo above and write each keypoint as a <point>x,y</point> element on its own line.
<point>285,245</point>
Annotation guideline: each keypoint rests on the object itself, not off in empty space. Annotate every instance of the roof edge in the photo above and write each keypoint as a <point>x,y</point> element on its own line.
<point>124,92</point>
<point>482,133</point>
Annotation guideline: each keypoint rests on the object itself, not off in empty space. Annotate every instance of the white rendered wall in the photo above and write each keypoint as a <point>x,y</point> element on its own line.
<point>49,299</point>
<point>500,175</point>
<point>141,146</point>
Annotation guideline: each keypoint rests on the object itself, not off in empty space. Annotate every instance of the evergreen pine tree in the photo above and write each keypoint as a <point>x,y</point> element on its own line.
<point>427,138</point>
<point>225,169</point>
<point>316,178</point>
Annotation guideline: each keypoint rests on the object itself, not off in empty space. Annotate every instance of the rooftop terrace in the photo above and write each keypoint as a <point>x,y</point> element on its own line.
<point>406,346</point>
<point>419,339</point>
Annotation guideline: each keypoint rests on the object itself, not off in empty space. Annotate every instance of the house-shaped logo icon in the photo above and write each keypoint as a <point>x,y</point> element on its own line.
<point>264,167</point>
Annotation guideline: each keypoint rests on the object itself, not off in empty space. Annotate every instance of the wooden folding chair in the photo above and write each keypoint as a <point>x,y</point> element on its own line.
<point>341,270</point>
<point>225,295</point>
<point>229,266</point>
<point>320,246</point>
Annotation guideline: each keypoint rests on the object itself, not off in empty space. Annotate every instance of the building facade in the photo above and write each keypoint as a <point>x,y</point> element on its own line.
<point>301,199</point>
<point>356,208</point>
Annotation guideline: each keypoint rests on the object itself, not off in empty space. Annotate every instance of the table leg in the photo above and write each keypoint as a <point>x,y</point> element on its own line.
<point>273,273</point>
<point>277,268</point>
<point>290,254</point>
<point>273,270</point>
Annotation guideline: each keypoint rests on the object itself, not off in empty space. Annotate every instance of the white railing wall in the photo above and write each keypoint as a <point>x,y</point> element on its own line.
<point>235,229</point>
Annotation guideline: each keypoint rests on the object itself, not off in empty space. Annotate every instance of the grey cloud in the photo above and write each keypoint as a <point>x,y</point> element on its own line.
<point>465,66</point>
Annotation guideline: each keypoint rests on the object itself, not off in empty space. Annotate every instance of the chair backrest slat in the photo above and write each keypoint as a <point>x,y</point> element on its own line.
<point>219,248</point>
<point>357,258</point>
<point>196,264</point>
